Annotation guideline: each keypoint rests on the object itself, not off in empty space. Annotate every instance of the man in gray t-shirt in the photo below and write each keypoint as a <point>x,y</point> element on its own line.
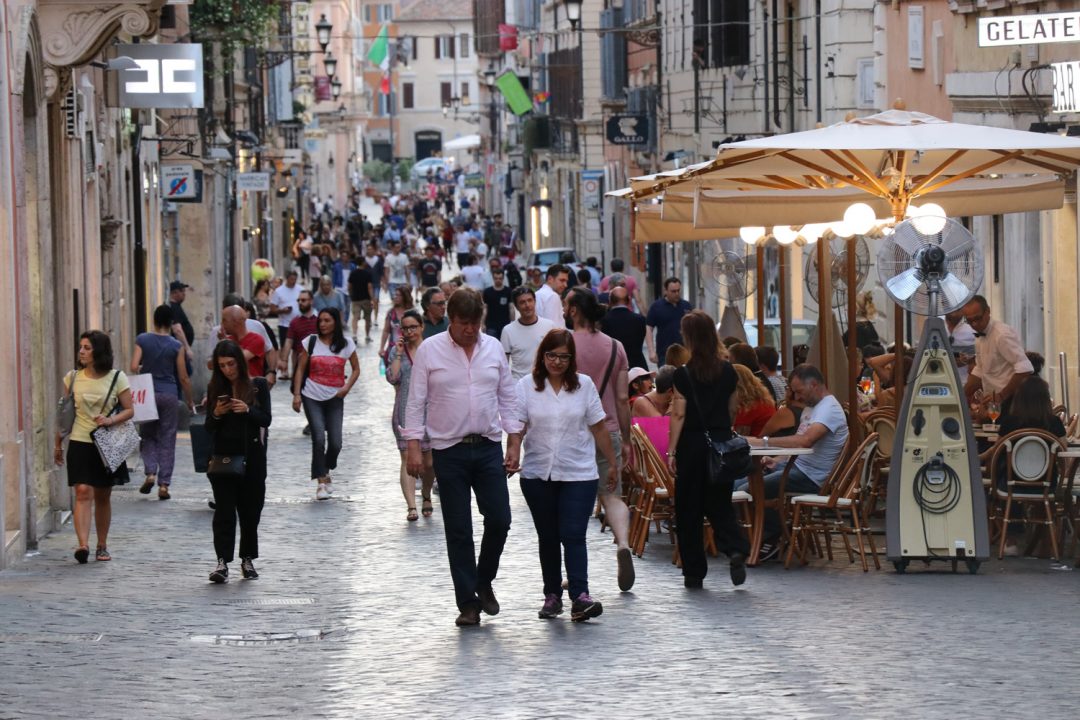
<point>823,428</point>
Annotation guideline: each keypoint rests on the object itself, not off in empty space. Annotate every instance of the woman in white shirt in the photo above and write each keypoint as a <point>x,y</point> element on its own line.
<point>320,386</point>
<point>562,409</point>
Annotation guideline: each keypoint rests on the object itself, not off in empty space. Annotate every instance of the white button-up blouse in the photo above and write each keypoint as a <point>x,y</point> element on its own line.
<point>558,443</point>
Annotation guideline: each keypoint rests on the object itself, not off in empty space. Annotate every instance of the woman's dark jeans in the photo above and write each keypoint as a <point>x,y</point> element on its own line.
<point>560,512</point>
<point>324,417</point>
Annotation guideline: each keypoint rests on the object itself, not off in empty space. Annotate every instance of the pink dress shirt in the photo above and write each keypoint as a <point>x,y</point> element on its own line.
<point>460,396</point>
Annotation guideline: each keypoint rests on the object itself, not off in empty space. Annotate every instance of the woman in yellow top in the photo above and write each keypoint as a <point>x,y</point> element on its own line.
<point>95,397</point>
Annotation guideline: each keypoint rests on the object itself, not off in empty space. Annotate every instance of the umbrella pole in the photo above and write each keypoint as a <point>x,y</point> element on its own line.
<point>824,305</point>
<point>852,351</point>
<point>760,294</point>
<point>785,307</point>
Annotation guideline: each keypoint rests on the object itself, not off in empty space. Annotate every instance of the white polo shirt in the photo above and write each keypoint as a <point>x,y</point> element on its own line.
<point>549,305</point>
<point>558,444</point>
<point>998,356</point>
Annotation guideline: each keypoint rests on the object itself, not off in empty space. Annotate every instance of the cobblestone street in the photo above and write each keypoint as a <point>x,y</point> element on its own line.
<point>353,617</point>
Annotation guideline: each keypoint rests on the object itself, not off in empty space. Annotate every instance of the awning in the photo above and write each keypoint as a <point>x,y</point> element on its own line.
<point>465,142</point>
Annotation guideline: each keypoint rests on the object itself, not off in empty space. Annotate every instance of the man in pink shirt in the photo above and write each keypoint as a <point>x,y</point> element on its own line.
<point>462,396</point>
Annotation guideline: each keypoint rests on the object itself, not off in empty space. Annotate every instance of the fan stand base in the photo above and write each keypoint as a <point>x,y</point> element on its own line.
<point>935,458</point>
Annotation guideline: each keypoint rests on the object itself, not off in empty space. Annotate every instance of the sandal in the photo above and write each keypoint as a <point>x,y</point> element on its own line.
<point>163,493</point>
<point>148,485</point>
<point>102,555</point>
<point>427,508</point>
<point>412,516</point>
<point>82,555</point>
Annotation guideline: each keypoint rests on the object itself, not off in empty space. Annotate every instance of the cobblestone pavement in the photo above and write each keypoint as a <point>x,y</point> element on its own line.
<point>353,617</point>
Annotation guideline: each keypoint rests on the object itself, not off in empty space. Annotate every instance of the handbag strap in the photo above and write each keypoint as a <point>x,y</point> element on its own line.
<point>105,400</point>
<point>697,403</point>
<point>610,367</point>
<point>70,389</point>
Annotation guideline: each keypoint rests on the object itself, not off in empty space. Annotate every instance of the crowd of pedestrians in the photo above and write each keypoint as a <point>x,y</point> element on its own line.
<point>557,366</point>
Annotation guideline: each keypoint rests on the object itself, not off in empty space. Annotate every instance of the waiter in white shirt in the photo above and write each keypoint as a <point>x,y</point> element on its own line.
<point>1000,361</point>
<point>462,395</point>
<point>549,296</point>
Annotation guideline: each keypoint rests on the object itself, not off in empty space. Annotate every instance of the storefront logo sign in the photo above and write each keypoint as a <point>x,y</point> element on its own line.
<point>167,76</point>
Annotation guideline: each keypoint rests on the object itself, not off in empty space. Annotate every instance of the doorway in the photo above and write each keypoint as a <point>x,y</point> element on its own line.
<point>428,144</point>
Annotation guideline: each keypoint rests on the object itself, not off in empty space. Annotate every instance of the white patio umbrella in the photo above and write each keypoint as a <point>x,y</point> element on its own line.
<point>465,142</point>
<point>888,160</point>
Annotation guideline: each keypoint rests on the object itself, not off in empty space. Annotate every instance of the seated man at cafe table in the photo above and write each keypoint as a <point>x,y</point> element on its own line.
<point>1000,362</point>
<point>822,428</point>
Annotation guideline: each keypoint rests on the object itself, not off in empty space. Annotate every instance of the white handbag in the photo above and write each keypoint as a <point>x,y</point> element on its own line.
<point>115,443</point>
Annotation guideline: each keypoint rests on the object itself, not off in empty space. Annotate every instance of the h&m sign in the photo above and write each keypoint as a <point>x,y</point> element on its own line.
<point>167,76</point>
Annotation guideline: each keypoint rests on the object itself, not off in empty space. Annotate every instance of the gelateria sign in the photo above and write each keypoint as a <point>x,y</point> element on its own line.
<point>1029,29</point>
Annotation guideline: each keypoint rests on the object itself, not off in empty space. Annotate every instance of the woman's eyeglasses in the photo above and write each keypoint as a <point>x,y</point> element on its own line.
<point>558,357</point>
<point>405,328</point>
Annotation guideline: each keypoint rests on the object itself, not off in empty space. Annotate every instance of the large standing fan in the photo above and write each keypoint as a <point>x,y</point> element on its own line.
<point>728,274</point>
<point>936,509</point>
<point>838,258</point>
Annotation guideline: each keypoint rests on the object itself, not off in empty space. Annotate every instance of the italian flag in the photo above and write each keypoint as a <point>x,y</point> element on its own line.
<point>379,54</point>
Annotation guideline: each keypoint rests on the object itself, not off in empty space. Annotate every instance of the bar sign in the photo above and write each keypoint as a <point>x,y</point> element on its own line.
<point>1066,87</point>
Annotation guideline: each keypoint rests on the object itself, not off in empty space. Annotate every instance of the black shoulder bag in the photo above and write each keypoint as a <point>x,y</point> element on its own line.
<point>726,460</point>
<point>230,467</point>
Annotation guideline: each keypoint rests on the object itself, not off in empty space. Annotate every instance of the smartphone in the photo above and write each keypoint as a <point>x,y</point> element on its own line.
<point>223,398</point>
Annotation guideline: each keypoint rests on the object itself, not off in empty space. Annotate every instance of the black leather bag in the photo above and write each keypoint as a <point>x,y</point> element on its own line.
<point>226,467</point>
<point>726,460</point>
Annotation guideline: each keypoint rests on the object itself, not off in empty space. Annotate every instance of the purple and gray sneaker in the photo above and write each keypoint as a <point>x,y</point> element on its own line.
<point>584,608</point>
<point>552,607</point>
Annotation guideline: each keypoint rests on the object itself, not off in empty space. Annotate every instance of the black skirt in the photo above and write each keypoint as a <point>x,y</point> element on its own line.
<point>84,467</point>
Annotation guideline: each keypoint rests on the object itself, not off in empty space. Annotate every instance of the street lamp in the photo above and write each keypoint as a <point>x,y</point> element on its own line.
<point>335,87</point>
<point>489,75</point>
<point>330,63</point>
<point>573,12</point>
<point>323,28</point>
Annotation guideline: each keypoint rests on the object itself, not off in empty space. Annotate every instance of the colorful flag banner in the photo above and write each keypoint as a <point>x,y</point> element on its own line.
<point>508,37</point>
<point>516,97</point>
<point>379,54</point>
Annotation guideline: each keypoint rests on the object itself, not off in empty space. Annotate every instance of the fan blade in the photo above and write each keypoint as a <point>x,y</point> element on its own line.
<point>904,285</point>
<point>954,290</point>
<point>960,248</point>
<point>908,239</point>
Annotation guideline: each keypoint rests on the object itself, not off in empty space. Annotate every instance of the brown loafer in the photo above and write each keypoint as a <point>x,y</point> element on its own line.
<point>468,616</point>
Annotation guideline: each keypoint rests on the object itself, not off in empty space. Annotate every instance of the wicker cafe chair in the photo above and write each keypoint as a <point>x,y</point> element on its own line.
<point>651,498</point>
<point>825,514</point>
<point>1028,478</point>
<point>882,422</point>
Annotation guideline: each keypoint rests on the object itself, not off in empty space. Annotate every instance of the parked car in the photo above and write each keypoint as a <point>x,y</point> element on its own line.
<point>420,169</point>
<point>802,333</point>
<point>545,257</point>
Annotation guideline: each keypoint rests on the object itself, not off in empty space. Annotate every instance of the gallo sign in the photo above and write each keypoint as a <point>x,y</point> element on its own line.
<point>168,76</point>
<point>628,129</point>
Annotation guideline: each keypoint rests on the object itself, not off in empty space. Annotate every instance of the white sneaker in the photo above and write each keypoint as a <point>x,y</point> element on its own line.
<point>322,493</point>
<point>329,486</point>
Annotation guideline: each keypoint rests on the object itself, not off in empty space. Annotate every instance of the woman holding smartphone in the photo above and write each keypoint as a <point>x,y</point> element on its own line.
<point>239,414</point>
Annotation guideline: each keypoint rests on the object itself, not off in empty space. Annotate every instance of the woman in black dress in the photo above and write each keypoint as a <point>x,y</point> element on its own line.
<point>239,414</point>
<point>704,400</point>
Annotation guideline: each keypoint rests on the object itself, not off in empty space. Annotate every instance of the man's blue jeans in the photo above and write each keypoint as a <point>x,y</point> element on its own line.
<point>463,469</point>
<point>324,417</point>
<point>797,482</point>
<point>560,512</point>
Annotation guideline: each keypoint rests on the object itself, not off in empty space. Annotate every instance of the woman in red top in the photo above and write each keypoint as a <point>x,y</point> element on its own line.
<point>320,386</point>
<point>755,404</point>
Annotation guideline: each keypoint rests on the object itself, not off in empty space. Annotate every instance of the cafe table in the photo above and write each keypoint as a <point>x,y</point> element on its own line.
<point>757,491</point>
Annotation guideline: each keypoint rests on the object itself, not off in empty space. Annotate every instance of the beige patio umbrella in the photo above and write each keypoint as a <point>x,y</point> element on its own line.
<point>895,158</point>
